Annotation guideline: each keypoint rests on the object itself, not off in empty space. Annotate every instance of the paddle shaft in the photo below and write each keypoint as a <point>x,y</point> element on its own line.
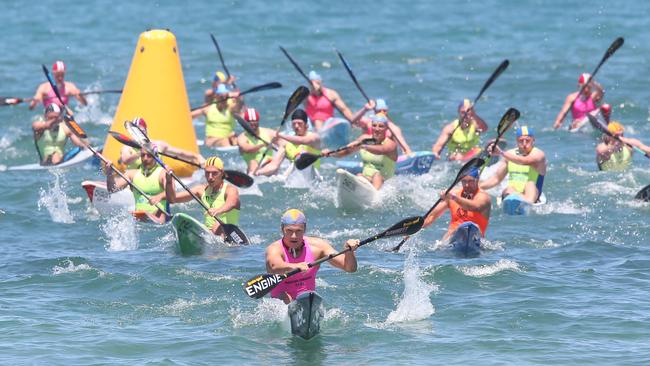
<point>618,42</point>
<point>297,67</point>
<point>604,130</point>
<point>502,67</point>
<point>356,82</point>
<point>14,100</point>
<point>223,63</point>
<point>267,86</point>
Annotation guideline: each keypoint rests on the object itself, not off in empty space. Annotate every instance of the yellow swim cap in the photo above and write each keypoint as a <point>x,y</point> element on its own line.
<point>214,161</point>
<point>219,76</point>
<point>615,128</point>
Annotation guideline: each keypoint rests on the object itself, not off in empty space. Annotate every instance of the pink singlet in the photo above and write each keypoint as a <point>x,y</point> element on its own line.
<point>301,282</point>
<point>319,108</point>
<point>52,99</point>
<point>582,107</point>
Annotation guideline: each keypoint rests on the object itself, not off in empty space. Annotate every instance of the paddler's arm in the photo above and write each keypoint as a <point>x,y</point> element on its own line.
<point>567,104</point>
<point>184,196</point>
<point>245,146</point>
<point>501,171</point>
<point>72,90</point>
<point>352,147</point>
<point>115,183</point>
<point>277,265</point>
<point>480,202</point>
<point>399,137</point>
<point>445,134</point>
<point>200,111</point>
<point>339,103</point>
<point>38,96</point>
<point>75,140</point>
<point>309,139</point>
<point>231,202</point>
<point>388,148</point>
<point>437,212</point>
<point>170,188</point>
<point>187,155</point>
<point>481,126</point>
<point>356,118</point>
<point>346,262</point>
<point>636,143</point>
<point>536,156</point>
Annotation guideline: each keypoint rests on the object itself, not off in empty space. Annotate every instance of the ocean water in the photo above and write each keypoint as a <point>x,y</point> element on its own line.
<point>567,285</point>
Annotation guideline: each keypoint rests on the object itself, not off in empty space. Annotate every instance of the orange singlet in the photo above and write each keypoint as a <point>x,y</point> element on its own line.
<point>459,215</point>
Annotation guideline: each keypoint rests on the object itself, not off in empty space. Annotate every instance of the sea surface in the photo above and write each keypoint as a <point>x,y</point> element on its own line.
<point>567,285</point>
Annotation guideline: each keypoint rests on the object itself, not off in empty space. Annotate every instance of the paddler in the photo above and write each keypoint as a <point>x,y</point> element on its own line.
<point>461,137</point>
<point>613,154</point>
<point>321,102</point>
<point>466,204</point>
<point>295,250</point>
<point>525,167</point>
<point>586,102</point>
<point>218,79</point>
<point>250,147</point>
<point>130,157</point>
<point>46,95</point>
<point>151,179</point>
<point>219,120</point>
<point>362,119</point>
<point>378,160</point>
<point>221,197</point>
<point>51,136</point>
<point>291,146</point>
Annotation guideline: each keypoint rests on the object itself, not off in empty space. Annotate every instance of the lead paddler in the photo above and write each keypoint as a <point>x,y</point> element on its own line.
<point>295,250</point>
<point>221,197</point>
<point>525,167</point>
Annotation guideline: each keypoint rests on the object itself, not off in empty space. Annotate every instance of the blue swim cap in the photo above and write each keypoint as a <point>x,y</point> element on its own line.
<point>473,172</point>
<point>313,75</point>
<point>379,118</point>
<point>525,131</point>
<point>293,216</point>
<point>380,105</point>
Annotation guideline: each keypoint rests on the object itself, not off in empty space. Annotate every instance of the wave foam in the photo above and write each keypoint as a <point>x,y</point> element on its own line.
<point>490,269</point>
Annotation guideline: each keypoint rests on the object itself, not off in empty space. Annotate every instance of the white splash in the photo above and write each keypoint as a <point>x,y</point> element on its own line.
<point>55,200</point>
<point>179,306</point>
<point>321,283</point>
<point>268,310</point>
<point>69,267</point>
<point>567,207</point>
<point>415,303</point>
<point>121,232</point>
<point>490,269</point>
<point>203,275</point>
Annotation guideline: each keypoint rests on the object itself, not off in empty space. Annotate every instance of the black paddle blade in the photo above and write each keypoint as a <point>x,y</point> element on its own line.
<point>473,163</point>
<point>507,120</point>
<point>369,141</point>
<point>238,178</point>
<point>354,78</point>
<point>408,226</point>
<point>644,194</point>
<point>234,235</point>
<point>124,139</point>
<point>305,160</point>
<point>295,100</point>
<point>595,123</point>
<point>618,42</point>
<point>10,101</point>
<point>223,64</point>
<point>261,285</point>
<point>502,67</point>
<point>267,86</point>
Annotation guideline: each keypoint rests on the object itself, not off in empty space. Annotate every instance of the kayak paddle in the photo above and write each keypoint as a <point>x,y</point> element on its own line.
<point>306,159</point>
<point>267,86</point>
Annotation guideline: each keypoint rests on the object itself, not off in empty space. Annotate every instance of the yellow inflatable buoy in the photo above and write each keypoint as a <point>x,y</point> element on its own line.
<point>155,91</point>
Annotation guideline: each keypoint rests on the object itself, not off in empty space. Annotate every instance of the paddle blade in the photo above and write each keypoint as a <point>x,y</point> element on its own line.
<point>644,194</point>
<point>299,95</point>
<point>124,139</point>
<point>261,285</point>
<point>10,101</point>
<point>475,163</point>
<point>305,160</point>
<point>238,178</point>
<point>267,86</point>
<point>618,42</point>
<point>234,235</point>
<point>223,64</point>
<point>502,67</point>
<point>74,127</point>
<point>407,226</point>
<point>595,123</point>
<point>354,78</point>
<point>136,133</point>
<point>369,141</point>
<point>511,115</point>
